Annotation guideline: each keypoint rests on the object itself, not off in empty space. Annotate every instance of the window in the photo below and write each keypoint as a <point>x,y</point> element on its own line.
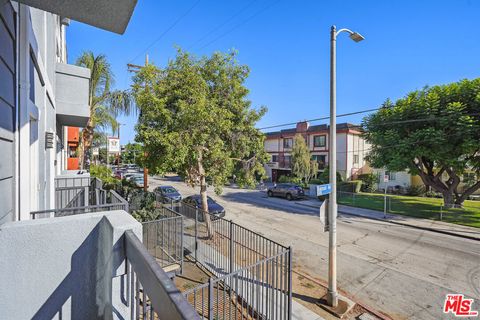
<point>319,141</point>
<point>274,158</point>
<point>319,158</point>
<point>392,176</point>
<point>355,159</point>
<point>32,79</point>
<point>287,142</point>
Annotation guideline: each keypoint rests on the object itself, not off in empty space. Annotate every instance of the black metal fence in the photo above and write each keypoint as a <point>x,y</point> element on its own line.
<point>150,293</point>
<point>252,275</point>
<point>76,195</point>
<point>163,239</point>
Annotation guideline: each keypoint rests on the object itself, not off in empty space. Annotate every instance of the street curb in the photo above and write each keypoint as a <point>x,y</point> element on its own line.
<point>454,234</point>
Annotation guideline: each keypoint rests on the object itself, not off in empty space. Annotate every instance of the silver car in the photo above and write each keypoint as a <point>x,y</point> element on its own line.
<point>289,191</point>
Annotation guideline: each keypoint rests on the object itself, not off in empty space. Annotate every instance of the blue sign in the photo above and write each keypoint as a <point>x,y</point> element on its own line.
<point>324,189</point>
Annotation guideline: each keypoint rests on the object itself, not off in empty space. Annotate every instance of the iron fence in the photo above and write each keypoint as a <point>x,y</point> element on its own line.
<point>150,293</point>
<point>427,208</point>
<point>73,192</point>
<point>76,195</point>
<point>53,213</point>
<point>163,239</point>
<point>260,291</point>
<point>251,273</point>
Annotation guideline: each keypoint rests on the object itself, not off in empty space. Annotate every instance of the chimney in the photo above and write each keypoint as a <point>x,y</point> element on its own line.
<point>302,127</point>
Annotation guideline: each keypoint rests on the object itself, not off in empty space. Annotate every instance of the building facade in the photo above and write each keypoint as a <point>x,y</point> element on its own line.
<point>351,149</point>
<point>41,94</point>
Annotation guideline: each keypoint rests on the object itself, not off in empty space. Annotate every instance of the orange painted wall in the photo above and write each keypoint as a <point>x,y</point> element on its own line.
<point>73,134</point>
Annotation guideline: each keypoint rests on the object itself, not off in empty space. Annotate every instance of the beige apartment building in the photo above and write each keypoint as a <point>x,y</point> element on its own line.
<point>351,149</point>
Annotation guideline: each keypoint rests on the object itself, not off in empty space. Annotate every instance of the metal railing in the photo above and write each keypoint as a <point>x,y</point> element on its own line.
<point>76,195</point>
<point>150,293</point>
<point>163,238</point>
<point>53,213</point>
<point>251,273</point>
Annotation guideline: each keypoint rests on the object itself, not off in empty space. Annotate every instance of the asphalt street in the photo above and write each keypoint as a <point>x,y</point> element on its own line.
<point>398,270</point>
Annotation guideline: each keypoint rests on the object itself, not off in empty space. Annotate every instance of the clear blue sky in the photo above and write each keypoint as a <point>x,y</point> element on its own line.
<point>409,44</point>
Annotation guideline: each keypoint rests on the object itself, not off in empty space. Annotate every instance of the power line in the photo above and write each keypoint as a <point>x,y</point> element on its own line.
<point>222,24</point>
<point>167,30</point>
<point>366,111</point>
<point>321,118</point>
<point>240,24</point>
<point>397,145</point>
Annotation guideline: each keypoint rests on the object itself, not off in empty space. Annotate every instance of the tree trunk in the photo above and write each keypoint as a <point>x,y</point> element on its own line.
<point>203,196</point>
<point>448,199</point>
<point>87,138</point>
<point>467,192</point>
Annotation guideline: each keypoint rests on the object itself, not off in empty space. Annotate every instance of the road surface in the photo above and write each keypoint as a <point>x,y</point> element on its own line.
<point>401,271</point>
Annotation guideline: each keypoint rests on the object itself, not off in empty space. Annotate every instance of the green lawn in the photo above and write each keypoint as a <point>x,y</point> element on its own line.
<point>419,207</point>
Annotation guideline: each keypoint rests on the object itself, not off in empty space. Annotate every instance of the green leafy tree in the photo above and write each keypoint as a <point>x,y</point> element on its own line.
<point>195,119</point>
<point>433,133</point>
<point>303,166</point>
<point>105,104</point>
<point>133,153</point>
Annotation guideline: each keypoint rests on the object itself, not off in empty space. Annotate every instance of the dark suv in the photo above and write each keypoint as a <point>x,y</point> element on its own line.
<point>289,191</point>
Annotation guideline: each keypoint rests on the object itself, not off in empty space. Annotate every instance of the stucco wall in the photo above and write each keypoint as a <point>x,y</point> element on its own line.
<point>402,178</point>
<point>65,268</point>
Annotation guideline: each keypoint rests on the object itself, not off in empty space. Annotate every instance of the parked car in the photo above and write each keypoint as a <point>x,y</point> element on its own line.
<point>167,194</point>
<point>289,191</point>
<point>216,211</point>
<point>138,180</point>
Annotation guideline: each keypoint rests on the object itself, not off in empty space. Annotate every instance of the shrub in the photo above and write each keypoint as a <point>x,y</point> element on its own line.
<point>318,181</point>
<point>415,190</point>
<point>369,182</point>
<point>103,173</point>
<point>354,186</point>
<point>324,176</point>
<point>143,215</point>
<point>140,200</point>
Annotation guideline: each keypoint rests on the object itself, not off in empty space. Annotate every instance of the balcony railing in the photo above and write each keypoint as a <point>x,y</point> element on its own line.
<point>152,294</point>
<point>76,195</point>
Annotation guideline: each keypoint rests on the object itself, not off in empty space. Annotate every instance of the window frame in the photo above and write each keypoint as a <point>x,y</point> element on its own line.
<point>356,159</point>
<point>324,141</point>
<point>285,146</point>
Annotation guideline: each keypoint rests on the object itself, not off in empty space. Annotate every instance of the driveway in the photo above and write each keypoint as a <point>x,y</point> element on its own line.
<point>398,270</point>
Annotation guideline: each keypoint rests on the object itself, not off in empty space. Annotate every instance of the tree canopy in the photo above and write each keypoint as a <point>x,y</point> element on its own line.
<point>105,104</point>
<point>196,120</point>
<point>433,133</point>
<point>303,166</point>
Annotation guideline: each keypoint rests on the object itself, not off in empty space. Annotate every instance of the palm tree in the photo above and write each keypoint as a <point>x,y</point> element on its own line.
<point>105,105</point>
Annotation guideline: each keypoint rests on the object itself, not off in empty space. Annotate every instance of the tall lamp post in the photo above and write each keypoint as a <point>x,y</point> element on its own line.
<point>332,296</point>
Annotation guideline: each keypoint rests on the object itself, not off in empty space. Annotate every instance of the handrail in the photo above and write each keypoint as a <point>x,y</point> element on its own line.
<point>120,199</point>
<point>164,296</point>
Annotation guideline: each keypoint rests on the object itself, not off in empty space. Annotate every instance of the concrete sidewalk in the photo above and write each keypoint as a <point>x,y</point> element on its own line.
<point>425,224</point>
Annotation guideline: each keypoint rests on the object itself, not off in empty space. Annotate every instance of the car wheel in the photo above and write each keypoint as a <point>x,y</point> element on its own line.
<point>289,197</point>
<point>270,193</point>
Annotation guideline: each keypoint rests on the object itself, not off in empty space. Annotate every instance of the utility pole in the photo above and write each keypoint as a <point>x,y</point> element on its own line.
<point>332,295</point>
<point>136,68</point>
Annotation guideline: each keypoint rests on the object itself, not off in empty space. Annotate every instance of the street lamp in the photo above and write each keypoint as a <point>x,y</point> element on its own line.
<point>332,296</point>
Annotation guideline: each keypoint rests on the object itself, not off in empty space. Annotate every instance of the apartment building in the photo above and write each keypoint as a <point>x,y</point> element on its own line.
<point>351,149</point>
<point>41,94</point>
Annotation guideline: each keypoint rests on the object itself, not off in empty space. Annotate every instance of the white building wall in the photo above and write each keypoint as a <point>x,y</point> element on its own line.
<point>402,178</point>
<point>40,45</point>
<point>271,145</point>
<point>342,160</point>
